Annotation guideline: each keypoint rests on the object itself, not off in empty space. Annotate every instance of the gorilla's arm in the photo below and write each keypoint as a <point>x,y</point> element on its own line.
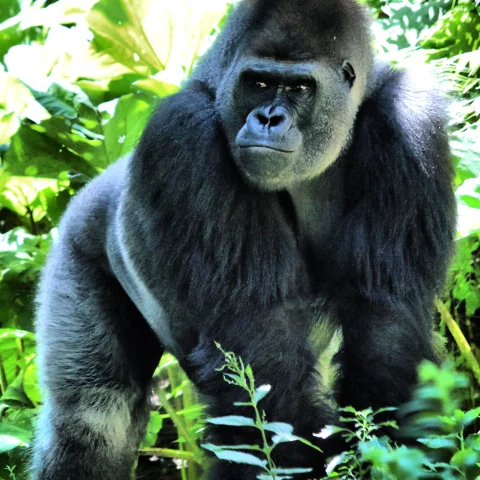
<point>96,352</point>
<point>395,243</point>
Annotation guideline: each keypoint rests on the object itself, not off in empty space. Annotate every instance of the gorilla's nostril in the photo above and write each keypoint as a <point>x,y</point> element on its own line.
<point>262,119</point>
<point>276,120</point>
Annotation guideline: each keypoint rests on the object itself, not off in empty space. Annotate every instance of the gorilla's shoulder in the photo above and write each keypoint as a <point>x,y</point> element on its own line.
<point>415,92</point>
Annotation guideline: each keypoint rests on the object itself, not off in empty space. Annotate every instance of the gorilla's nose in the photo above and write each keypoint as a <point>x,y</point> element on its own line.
<point>270,120</point>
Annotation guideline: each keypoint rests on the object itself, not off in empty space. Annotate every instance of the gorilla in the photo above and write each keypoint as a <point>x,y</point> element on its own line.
<point>294,192</point>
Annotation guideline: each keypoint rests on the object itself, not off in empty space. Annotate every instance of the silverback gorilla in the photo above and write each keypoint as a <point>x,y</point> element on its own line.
<point>293,189</point>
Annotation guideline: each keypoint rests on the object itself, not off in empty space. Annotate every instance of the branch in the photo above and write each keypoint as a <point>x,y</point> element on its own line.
<point>460,339</point>
<point>197,452</point>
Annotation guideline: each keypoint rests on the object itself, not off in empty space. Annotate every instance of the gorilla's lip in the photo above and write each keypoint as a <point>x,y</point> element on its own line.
<point>266,147</point>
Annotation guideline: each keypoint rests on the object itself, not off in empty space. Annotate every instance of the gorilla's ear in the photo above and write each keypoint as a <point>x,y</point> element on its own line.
<point>349,73</point>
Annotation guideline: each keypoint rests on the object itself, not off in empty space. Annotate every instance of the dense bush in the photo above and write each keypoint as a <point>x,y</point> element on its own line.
<point>78,79</point>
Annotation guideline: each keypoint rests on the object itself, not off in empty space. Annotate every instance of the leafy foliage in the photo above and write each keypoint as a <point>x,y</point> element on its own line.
<point>433,419</point>
<point>236,373</point>
<point>78,80</point>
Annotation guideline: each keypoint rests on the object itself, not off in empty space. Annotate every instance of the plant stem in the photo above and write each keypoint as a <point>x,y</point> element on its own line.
<point>460,339</point>
<point>258,422</point>
<point>179,424</point>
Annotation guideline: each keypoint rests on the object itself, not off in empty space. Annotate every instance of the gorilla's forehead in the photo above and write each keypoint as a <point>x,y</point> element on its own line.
<point>332,29</point>
<point>278,68</point>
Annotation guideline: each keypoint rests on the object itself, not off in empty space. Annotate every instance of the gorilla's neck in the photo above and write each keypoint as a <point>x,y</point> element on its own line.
<point>318,206</point>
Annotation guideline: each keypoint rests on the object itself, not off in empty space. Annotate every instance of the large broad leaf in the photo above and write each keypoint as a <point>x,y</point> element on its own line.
<point>32,153</point>
<point>81,143</point>
<point>16,102</point>
<point>124,129</point>
<point>119,32</point>
<point>148,36</point>
<point>62,99</point>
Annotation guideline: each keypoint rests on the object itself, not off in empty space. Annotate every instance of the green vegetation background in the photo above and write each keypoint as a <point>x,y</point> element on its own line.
<point>78,80</point>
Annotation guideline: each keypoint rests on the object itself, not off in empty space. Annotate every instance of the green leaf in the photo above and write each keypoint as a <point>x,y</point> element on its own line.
<point>348,410</point>
<point>330,430</point>
<point>473,442</point>
<point>237,379</point>
<point>9,9</point>
<point>278,427</point>
<point>30,383</point>
<point>54,105</point>
<point>50,158</point>
<point>124,129</point>
<point>385,409</point>
<point>119,30</point>
<point>470,417</point>
<point>232,421</point>
<point>15,393</point>
<point>465,458</point>
<point>153,428</point>
<point>267,476</point>
<point>284,438</point>
<point>68,101</point>
<point>11,343</point>
<point>290,471</point>
<point>261,392</point>
<point>61,12</point>
<point>146,37</point>
<point>240,457</point>
<point>10,32</point>
<point>438,442</point>
<point>12,436</point>
<point>16,102</point>
<point>217,448</point>
<point>157,87</point>
<point>459,416</point>
<point>249,373</point>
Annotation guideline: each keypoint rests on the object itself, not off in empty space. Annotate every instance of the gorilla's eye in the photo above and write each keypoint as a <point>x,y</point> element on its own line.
<point>349,73</point>
<point>299,88</point>
<point>261,85</point>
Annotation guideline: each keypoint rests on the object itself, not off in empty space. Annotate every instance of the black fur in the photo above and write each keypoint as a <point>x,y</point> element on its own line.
<point>189,241</point>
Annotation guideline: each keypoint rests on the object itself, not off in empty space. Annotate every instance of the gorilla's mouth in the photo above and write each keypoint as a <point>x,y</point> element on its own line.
<point>267,147</point>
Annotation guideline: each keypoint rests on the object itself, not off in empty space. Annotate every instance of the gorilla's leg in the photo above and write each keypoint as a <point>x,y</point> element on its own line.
<point>383,346</point>
<point>278,352</point>
<point>97,356</point>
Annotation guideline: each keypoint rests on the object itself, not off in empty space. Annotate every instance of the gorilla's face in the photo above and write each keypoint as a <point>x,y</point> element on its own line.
<point>287,121</point>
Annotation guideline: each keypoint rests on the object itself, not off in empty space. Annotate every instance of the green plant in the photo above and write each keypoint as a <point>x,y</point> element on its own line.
<point>237,374</point>
<point>432,420</point>
<point>11,473</point>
